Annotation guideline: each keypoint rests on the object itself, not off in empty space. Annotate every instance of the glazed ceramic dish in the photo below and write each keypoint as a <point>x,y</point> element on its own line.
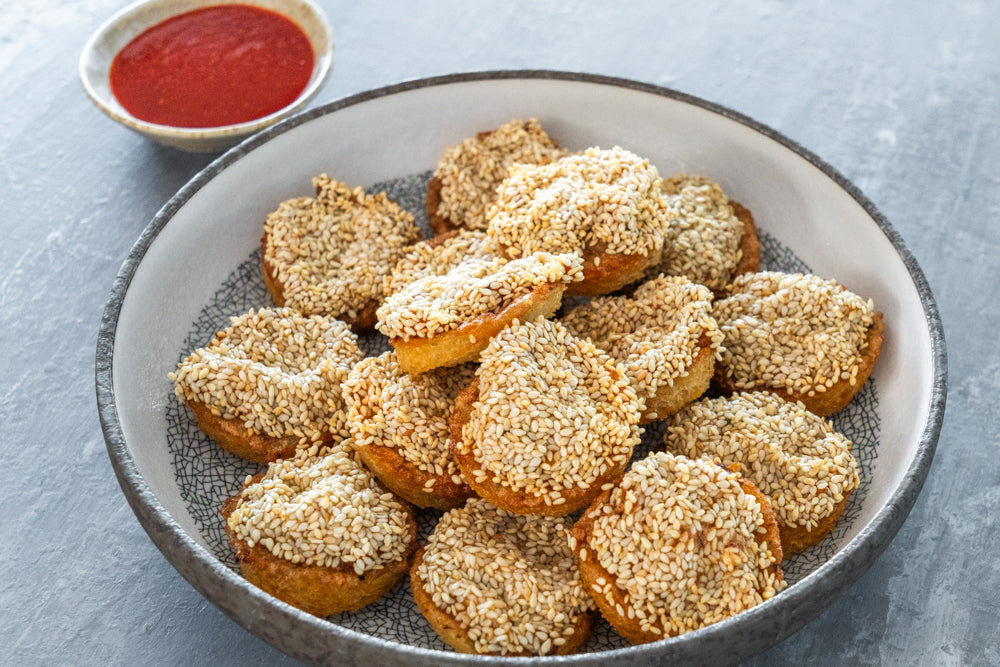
<point>197,264</point>
<point>120,29</point>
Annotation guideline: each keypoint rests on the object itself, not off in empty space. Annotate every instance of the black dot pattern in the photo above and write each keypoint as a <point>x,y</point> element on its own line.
<point>206,474</point>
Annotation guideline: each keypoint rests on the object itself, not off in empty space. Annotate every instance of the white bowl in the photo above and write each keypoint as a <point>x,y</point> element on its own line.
<point>196,264</point>
<point>120,29</point>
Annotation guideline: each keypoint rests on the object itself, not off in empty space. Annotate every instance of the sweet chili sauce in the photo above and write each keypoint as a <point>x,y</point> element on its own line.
<point>213,66</point>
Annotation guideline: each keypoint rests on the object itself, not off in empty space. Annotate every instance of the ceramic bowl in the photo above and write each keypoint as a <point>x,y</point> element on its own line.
<point>197,263</point>
<point>120,29</point>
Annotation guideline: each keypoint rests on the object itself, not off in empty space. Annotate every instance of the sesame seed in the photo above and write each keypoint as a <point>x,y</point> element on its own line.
<point>277,371</point>
<point>782,447</point>
<point>510,581</point>
<point>333,252</point>
<point>791,331</point>
<point>680,538</point>
<point>654,333</point>
<point>601,196</point>
<point>471,171</point>
<point>322,508</point>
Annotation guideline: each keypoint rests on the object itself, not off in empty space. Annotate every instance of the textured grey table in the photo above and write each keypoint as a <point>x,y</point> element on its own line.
<point>904,99</point>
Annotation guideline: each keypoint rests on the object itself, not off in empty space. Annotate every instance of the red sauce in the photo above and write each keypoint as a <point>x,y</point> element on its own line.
<point>213,66</point>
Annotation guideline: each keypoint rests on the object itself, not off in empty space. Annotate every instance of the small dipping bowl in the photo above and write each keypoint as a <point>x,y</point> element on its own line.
<point>123,27</point>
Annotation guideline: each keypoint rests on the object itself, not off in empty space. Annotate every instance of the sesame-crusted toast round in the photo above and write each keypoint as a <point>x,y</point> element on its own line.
<point>503,496</point>
<point>448,320</point>
<point>330,254</point>
<point>662,333</point>
<point>605,205</point>
<point>451,630</point>
<point>465,180</point>
<point>399,425</point>
<point>799,336</point>
<point>362,567</point>
<point>661,555</point>
<point>270,382</point>
<point>360,318</point>
<point>410,483</point>
<point>709,238</point>
<point>317,590</point>
<point>795,539</point>
<point>495,583</point>
<point>549,421</point>
<point>749,254</point>
<point>464,343</point>
<point>793,456</point>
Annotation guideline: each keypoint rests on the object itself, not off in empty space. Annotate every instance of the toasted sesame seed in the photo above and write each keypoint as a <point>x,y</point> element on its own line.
<point>601,196</point>
<point>278,372</point>
<point>702,238</point>
<point>654,333</point>
<point>680,537</point>
<point>554,412</point>
<point>426,259</point>
<point>782,447</point>
<point>471,171</point>
<point>791,331</point>
<point>476,286</point>
<point>409,414</point>
<point>510,581</point>
<point>322,508</point>
<point>333,252</point>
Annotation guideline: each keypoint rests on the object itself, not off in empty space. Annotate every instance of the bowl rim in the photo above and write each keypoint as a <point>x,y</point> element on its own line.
<point>246,604</point>
<point>322,66</point>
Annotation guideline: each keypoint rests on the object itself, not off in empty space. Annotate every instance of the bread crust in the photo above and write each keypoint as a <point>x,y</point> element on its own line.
<point>409,482</point>
<point>795,539</point>
<point>365,319</point>
<point>605,272</point>
<point>749,242</point>
<point>465,342</point>
<point>234,437</point>
<point>453,634</point>
<point>440,237</point>
<point>836,397</point>
<point>317,590</point>
<point>505,497</point>
<point>591,570</point>
<point>668,399</point>
<point>439,224</point>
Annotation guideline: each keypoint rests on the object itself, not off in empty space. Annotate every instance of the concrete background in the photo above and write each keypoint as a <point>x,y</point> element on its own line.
<point>901,97</point>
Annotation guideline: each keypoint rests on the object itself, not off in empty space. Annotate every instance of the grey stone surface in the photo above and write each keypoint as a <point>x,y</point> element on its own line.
<point>901,97</point>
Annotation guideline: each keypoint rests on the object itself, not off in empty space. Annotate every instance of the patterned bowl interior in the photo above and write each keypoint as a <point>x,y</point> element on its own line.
<point>207,475</point>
